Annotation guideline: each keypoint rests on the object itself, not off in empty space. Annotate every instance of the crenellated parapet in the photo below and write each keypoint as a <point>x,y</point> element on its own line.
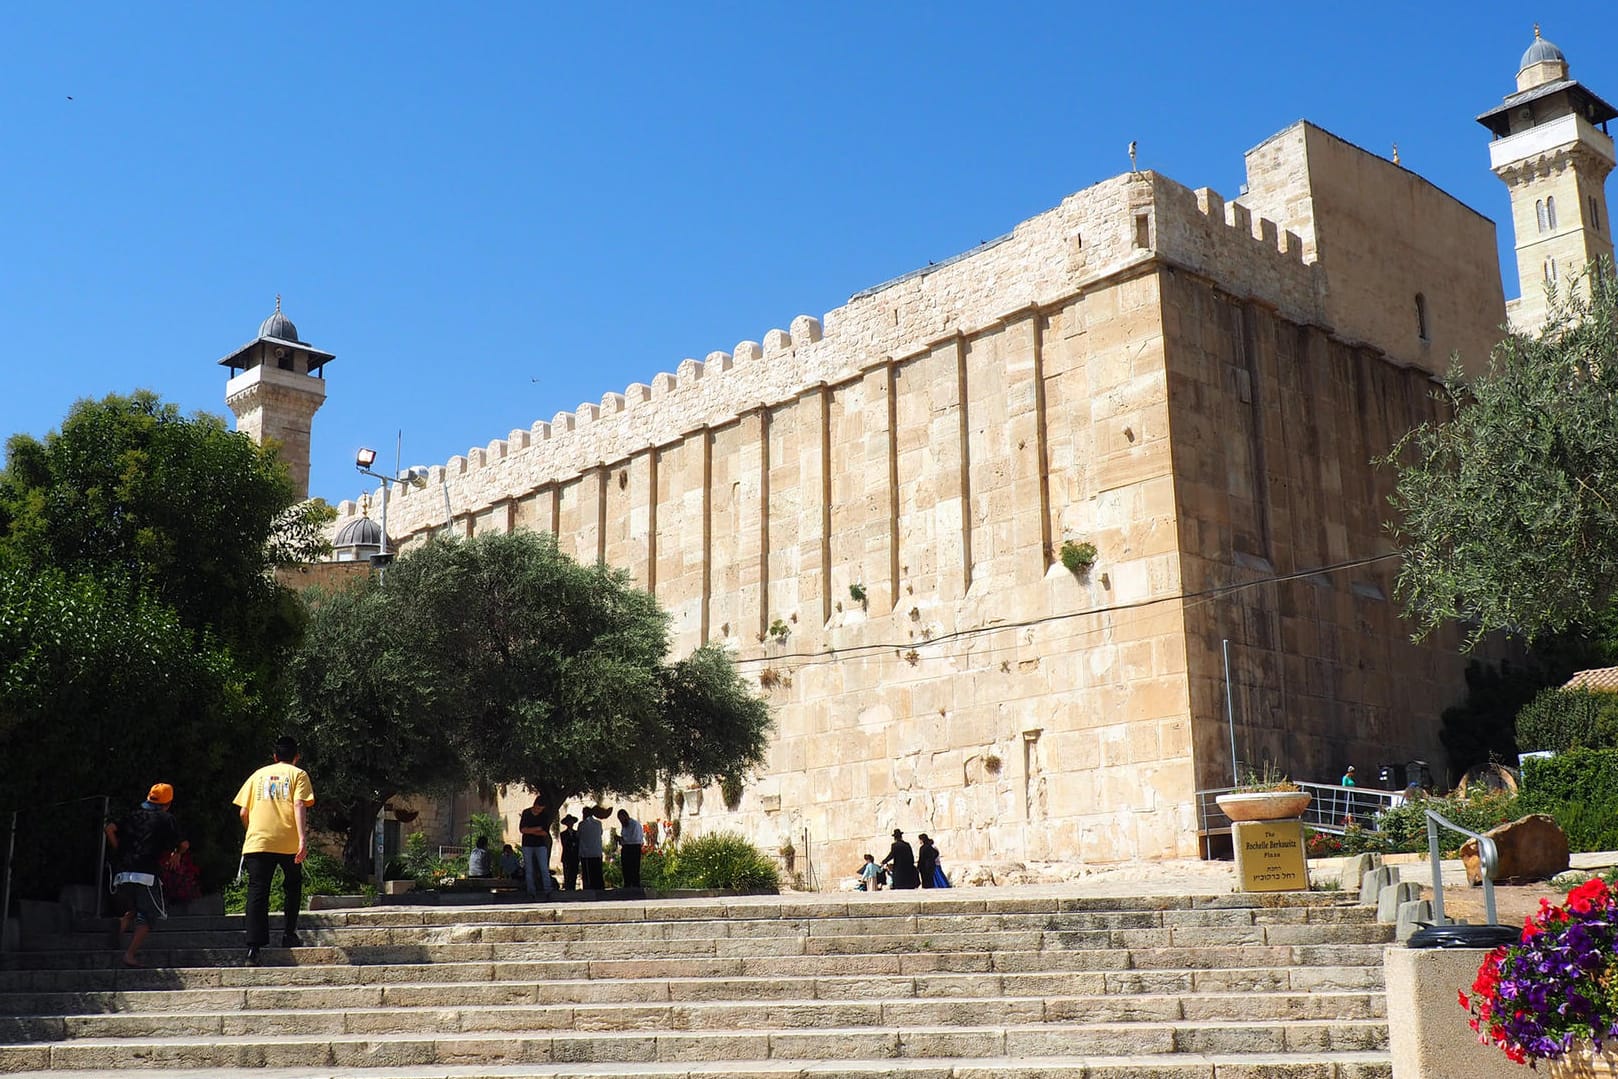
<point>1119,226</point>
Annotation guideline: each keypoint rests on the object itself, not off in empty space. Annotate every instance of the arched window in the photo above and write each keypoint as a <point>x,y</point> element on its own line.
<point>1550,271</point>
<point>1539,212</point>
<point>1595,213</point>
<point>1421,316</point>
<point>1550,211</point>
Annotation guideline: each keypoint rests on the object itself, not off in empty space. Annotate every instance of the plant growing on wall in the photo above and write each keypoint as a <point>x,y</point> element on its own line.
<point>1078,556</point>
<point>730,789</point>
<point>856,592</point>
<point>780,631</point>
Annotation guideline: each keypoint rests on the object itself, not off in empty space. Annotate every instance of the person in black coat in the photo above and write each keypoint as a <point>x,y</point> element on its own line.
<point>901,862</point>
<point>926,860</point>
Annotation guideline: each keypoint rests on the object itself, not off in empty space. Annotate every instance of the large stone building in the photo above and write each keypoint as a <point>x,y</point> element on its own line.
<point>871,508</point>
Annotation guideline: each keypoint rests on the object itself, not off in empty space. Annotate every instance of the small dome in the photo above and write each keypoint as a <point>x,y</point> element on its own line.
<point>360,532</point>
<point>1541,51</point>
<point>278,325</point>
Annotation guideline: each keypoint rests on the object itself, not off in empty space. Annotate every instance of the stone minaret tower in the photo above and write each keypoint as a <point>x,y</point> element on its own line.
<point>1552,149</point>
<point>280,387</point>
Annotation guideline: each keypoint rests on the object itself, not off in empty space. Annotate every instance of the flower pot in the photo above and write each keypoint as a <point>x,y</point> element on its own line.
<point>1264,805</point>
<point>1584,1062</point>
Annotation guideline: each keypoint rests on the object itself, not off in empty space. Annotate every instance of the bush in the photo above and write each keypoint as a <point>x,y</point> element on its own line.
<point>322,875</point>
<point>721,860</point>
<point>1579,788</point>
<point>1562,719</point>
<point>1405,827</point>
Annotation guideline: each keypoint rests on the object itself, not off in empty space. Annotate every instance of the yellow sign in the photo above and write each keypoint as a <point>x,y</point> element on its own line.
<point>1269,855</point>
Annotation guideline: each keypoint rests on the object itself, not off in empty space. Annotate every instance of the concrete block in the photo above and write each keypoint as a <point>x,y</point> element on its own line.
<point>1372,883</point>
<point>1355,868</point>
<point>1432,1040</point>
<point>1413,914</point>
<point>1389,899</point>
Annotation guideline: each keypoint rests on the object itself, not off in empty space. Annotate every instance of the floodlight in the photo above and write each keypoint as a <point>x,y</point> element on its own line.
<point>365,458</point>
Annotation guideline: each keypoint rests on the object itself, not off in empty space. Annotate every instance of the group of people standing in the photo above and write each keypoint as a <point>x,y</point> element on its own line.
<point>274,806</point>
<point>583,848</point>
<point>904,867</point>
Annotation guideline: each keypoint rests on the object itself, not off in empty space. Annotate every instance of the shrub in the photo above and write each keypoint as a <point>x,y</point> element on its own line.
<point>484,826</point>
<point>1078,557</point>
<point>322,875</point>
<point>1405,826</point>
<point>1579,788</point>
<point>721,860</point>
<point>1563,719</point>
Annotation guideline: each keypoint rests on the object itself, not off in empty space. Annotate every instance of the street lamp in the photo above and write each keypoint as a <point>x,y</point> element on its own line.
<point>415,476</point>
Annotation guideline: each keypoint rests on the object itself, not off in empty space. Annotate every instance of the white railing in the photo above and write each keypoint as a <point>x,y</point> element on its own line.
<point>1332,808</point>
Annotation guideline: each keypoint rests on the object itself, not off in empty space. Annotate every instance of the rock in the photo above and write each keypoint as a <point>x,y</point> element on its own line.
<point>1533,848</point>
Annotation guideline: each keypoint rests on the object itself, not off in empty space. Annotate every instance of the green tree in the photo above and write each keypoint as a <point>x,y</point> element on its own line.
<point>501,660</point>
<point>1562,719</point>
<point>180,508</point>
<point>144,629</point>
<point>372,710</point>
<point>103,692</point>
<point>1507,515</point>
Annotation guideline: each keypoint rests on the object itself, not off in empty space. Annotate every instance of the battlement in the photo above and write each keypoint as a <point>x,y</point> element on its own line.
<point>1117,226</point>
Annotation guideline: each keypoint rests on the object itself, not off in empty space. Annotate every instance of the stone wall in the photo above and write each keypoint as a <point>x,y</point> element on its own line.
<point>934,442</point>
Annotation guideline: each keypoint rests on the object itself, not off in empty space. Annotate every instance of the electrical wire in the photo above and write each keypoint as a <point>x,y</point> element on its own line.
<point>799,660</point>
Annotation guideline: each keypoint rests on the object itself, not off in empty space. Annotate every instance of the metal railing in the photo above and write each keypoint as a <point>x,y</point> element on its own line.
<point>1488,865</point>
<point>1332,808</point>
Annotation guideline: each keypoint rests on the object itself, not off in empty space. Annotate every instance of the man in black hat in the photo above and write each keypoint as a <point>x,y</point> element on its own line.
<point>570,853</point>
<point>901,863</point>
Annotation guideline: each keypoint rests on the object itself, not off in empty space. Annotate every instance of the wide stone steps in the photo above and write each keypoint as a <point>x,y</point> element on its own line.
<point>440,1009</point>
<point>1222,987</point>
<point>1180,1066</point>
<point>366,1050</point>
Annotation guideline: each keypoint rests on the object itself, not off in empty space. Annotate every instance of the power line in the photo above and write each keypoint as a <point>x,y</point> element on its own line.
<point>797,660</point>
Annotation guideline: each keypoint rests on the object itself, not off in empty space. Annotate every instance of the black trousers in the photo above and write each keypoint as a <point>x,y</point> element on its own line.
<point>630,855</point>
<point>570,872</point>
<point>260,872</point>
<point>593,880</point>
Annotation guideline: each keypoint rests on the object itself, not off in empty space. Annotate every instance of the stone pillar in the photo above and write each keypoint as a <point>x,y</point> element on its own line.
<point>1428,1035</point>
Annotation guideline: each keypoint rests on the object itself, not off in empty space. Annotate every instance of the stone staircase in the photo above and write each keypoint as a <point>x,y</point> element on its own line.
<point>965,984</point>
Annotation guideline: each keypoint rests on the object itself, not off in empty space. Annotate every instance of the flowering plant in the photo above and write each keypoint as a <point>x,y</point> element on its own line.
<point>1556,986</point>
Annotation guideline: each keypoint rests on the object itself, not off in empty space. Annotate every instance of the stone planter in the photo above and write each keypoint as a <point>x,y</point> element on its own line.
<point>1264,805</point>
<point>1583,1062</point>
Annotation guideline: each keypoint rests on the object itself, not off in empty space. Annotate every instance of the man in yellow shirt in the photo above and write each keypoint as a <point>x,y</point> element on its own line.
<point>275,803</point>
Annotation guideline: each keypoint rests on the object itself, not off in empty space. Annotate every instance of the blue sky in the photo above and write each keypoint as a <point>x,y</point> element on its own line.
<point>494,214</point>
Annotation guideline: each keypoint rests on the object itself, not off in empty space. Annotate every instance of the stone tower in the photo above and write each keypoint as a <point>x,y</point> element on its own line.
<point>277,383</point>
<point>1552,149</point>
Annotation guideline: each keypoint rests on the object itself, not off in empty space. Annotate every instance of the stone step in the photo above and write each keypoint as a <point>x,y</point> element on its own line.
<point>529,924</point>
<point>743,957</point>
<point>450,993</point>
<point>1354,1065</point>
<point>436,1010</point>
<point>737,1044</point>
<point>280,969</point>
<point>1116,915</point>
<point>65,992</point>
<point>535,942</point>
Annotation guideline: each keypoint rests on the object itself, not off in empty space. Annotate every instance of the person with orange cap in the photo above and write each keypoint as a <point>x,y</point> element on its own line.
<point>142,841</point>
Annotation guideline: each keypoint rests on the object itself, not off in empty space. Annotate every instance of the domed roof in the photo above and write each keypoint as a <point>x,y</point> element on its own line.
<point>1540,52</point>
<point>360,532</point>
<point>278,325</point>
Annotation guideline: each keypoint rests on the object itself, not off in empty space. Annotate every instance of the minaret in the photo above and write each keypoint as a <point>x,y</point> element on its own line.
<point>1552,149</point>
<point>281,385</point>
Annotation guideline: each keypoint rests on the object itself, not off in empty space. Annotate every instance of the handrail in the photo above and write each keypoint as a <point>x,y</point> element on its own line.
<point>1331,809</point>
<point>1488,865</point>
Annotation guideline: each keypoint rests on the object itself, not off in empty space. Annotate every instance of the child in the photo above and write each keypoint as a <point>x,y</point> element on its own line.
<point>870,876</point>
